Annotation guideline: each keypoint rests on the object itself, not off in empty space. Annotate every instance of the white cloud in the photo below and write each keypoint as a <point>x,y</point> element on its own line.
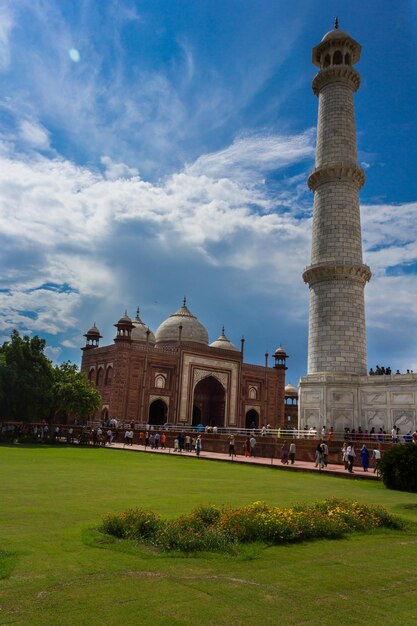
<point>249,156</point>
<point>34,134</point>
<point>66,218</point>
<point>113,171</point>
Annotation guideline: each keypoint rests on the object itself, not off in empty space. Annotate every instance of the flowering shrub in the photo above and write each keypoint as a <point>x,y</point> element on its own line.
<point>132,524</point>
<point>211,528</point>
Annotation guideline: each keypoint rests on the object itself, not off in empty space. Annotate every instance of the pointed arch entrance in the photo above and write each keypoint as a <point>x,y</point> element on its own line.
<point>196,415</point>
<point>252,419</point>
<point>209,402</point>
<point>158,411</point>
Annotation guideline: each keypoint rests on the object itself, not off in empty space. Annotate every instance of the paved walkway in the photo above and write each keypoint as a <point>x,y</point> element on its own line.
<point>304,466</point>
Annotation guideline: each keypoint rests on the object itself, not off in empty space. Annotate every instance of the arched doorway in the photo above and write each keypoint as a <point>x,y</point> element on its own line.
<point>158,413</point>
<point>210,401</point>
<point>196,415</point>
<point>252,419</point>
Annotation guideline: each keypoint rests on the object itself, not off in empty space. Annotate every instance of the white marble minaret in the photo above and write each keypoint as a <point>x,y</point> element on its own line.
<point>337,391</point>
<point>337,275</point>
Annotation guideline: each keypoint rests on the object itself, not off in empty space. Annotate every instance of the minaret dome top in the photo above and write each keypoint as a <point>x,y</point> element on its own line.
<point>336,48</point>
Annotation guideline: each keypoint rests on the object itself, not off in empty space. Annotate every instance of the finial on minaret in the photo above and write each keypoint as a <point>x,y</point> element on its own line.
<point>184,302</point>
<point>336,23</point>
<point>137,312</point>
<point>222,331</point>
<point>126,312</point>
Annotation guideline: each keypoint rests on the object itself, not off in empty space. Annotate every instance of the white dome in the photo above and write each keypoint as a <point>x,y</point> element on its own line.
<point>192,329</point>
<point>337,33</point>
<point>223,342</point>
<point>290,390</point>
<point>140,329</point>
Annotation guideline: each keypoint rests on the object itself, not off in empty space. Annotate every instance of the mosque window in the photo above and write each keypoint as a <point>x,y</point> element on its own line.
<point>91,374</point>
<point>337,58</point>
<point>109,375</point>
<point>326,60</point>
<point>99,378</point>
<point>160,381</point>
<point>253,392</point>
<point>347,59</point>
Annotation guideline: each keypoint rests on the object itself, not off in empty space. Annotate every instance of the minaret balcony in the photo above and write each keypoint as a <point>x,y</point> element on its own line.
<point>336,271</point>
<point>336,74</point>
<point>332,172</point>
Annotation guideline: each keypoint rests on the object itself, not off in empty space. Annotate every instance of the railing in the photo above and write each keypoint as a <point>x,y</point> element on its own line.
<point>277,433</point>
<point>7,429</point>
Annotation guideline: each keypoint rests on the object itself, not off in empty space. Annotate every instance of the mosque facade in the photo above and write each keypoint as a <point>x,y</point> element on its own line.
<point>337,390</point>
<point>175,376</point>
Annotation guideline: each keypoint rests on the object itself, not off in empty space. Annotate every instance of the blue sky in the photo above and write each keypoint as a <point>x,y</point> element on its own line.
<point>155,149</point>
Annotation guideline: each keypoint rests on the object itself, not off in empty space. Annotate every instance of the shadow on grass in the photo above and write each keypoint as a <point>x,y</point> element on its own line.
<point>8,561</point>
<point>93,538</point>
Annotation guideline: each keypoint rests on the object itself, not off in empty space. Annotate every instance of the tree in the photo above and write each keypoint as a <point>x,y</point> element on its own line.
<point>26,377</point>
<point>72,393</point>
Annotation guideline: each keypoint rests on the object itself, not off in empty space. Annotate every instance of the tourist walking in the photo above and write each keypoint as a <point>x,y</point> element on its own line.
<point>376,455</point>
<point>292,452</point>
<point>365,458</point>
<point>246,447</point>
<point>232,452</point>
<point>319,457</point>
<point>325,449</point>
<point>284,453</point>
<point>198,445</point>
<point>344,456</point>
<point>350,453</point>
<point>252,444</point>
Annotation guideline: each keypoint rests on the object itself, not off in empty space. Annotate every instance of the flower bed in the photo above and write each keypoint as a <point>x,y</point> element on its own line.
<point>220,529</point>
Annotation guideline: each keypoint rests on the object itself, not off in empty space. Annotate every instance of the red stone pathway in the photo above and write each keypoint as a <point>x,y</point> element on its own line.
<point>305,466</point>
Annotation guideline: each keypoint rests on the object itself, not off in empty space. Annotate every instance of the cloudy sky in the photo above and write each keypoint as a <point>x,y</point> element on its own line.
<point>152,149</point>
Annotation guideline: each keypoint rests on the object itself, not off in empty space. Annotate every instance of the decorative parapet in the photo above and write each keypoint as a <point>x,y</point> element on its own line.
<point>166,348</point>
<point>336,74</point>
<point>336,271</point>
<point>332,172</point>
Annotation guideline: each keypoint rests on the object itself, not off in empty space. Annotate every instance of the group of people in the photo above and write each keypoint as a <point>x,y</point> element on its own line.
<point>187,442</point>
<point>321,455</point>
<point>288,453</point>
<point>349,454</point>
<point>380,371</point>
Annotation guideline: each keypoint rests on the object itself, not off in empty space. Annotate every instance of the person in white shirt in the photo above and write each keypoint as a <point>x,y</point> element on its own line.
<point>350,453</point>
<point>376,455</point>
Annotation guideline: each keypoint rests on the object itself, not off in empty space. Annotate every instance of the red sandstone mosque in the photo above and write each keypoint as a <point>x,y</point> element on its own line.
<point>175,376</point>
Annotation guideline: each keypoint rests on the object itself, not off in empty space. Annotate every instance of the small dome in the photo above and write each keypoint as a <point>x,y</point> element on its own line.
<point>192,329</point>
<point>280,352</point>
<point>290,390</point>
<point>93,332</point>
<point>336,33</point>
<point>139,332</point>
<point>125,319</point>
<point>223,342</point>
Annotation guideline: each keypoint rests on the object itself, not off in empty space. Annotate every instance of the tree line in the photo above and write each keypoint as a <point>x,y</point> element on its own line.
<point>32,389</point>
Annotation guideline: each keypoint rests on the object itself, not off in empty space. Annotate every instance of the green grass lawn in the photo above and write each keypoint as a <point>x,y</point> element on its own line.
<point>56,570</point>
